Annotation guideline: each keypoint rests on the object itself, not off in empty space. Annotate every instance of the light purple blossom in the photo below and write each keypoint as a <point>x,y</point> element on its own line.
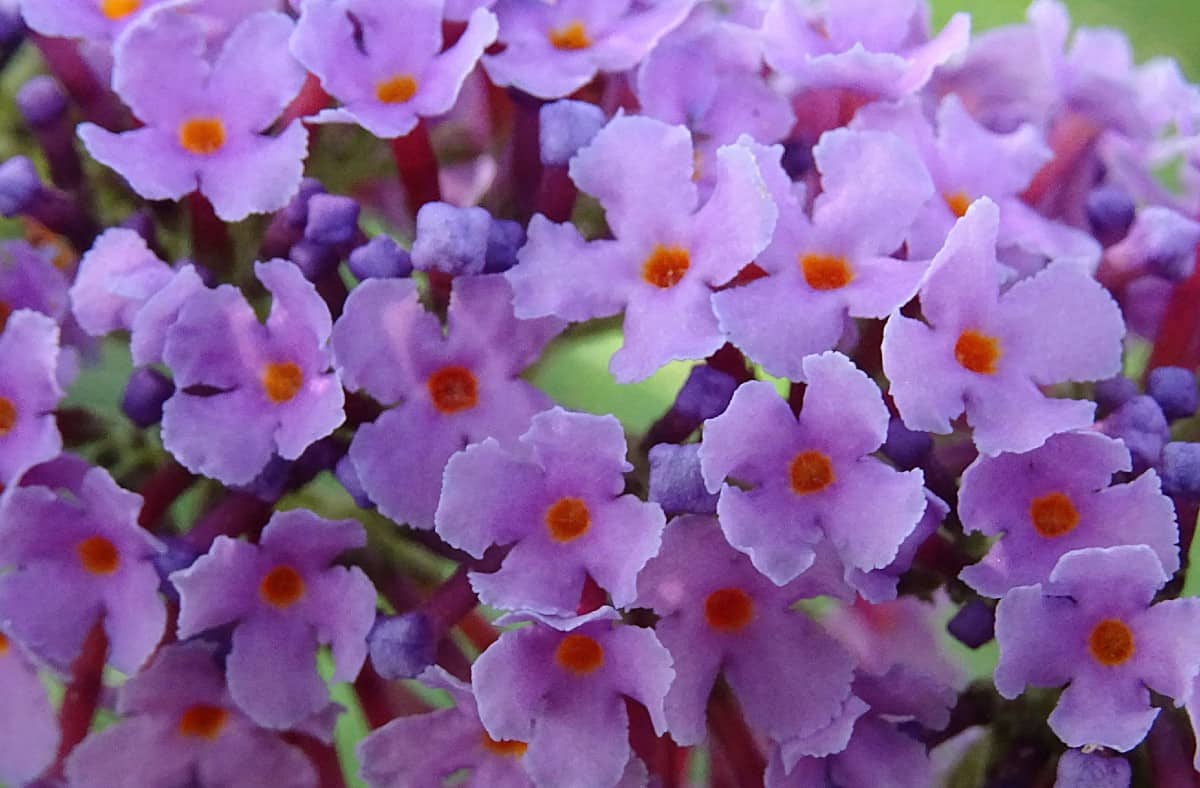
<point>29,392</point>
<point>1092,626</point>
<point>28,726</point>
<point>116,277</point>
<point>557,499</point>
<point>246,391</point>
<point>29,279</point>
<point>789,483</point>
<point>987,352</point>
<point>284,598</point>
<point>385,62</point>
<point>668,251</point>
<point>204,117</point>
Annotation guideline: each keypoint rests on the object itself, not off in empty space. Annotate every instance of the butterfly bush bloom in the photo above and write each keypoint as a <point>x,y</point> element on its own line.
<point>29,392</point>
<point>246,391</point>
<point>30,280</point>
<point>788,483</point>
<point>84,541</point>
<point>719,616</point>
<point>384,61</point>
<point>29,733</point>
<point>836,265</point>
<point>204,118</point>
<point>1092,626</point>
<point>284,598</point>
<point>180,724</point>
<point>1058,498</point>
<point>668,251</point>
<point>559,685</point>
<point>551,51</point>
<point>423,750</point>
<point>116,278</point>
<point>448,390</point>
<point>986,351</point>
<point>557,500</point>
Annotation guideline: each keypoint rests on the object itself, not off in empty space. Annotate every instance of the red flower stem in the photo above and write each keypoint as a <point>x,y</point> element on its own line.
<point>82,695</point>
<point>730,360</point>
<point>1071,140</point>
<point>211,244</point>
<point>383,701</point>
<point>556,194</point>
<point>238,514</point>
<point>311,99</point>
<point>730,733</point>
<point>160,491</point>
<point>526,161</point>
<point>324,759</point>
<point>418,167</point>
<point>96,101</point>
<point>1178,341</point>
<point>1170,753</point>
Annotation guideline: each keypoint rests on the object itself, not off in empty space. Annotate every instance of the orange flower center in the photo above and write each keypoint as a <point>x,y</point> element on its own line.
<point>202,136</point>
<point>568,519</point>
<point>8,416</point>
<point>98,555</point>
<point>958,203</point>
<point>397,89</point>
<point>977,352</point>
<point>505,748</point>
<point>4,646</point>
<point>453,389</point>
<point>203,721</point>
<point>826,272</point>
<point>810,472</point>
<point>1111,642</point>
<point>569,36</point>
<point>1053,515</point>
<point>282,587</point>
<point>728,609</point>
<point>579,654</point>
<point>119,9</point>
<point>666,265</point>
<point>282,380</point>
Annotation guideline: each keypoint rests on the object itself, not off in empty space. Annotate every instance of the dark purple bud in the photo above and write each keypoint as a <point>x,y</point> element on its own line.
<point>380,258</point>
<point>332,219</point>
<point>19,185</point>
<point>144,396</point>
<point>974,624</point>
<point>565,127</point>
<point>505,238</point>
<point>1140,423</point>
<point>797,159</point>
<point>345,473</point>
<point>402,646</point>
<point>675,481</point>
<point>451,240</point>
<point>1113,393</point>
<point>313,259</point>
<point>906,448</point>
<point>1079,769</point>
<point>41,101</point>
<point>1174,389</point>
<point>1110,213</point>
<point>179,555</point>
<point>296,211</point>
<point>1161,242</point>
<point>1181,469</point>
<point>705,394</point>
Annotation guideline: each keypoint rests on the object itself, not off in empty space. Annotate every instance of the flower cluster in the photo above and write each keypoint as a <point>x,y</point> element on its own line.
<point>939,319</point>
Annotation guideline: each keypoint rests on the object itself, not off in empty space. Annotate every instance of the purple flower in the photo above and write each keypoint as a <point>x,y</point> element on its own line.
<point>789,483</point>
<point>116,277</point>
<point>76,555</point>
<point>868,47</point>
<point>1092,626</point>
<point>422,750</point>
<point>204,117</point>
<point>28,726</point>
<point>178,725</point>
<point>29,392</point>
<point>284,598</point>
<point>1080,769</point>
<point>720,616</point>
<point>557,500</point>
<point>667,254</point>
<point>837,265</point>
<point>876,754</point>
<point>385,62</point>
<point>245,391</point>
<point>1055,499</point>
<point>560,686</point>
<point>29,280</point>
<point>553,50</point>
<point>449,390</point>
<point>987,352</point>
<point>100,20</point>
